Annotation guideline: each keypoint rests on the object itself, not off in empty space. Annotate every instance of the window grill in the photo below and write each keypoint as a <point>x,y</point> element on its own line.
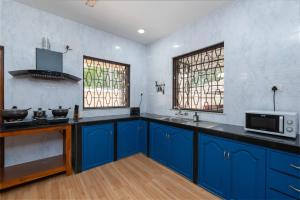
<point>198,80</point>
<point>106,83</point>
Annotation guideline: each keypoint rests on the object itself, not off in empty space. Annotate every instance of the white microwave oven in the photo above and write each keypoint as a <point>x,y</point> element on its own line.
<point>275,123</point>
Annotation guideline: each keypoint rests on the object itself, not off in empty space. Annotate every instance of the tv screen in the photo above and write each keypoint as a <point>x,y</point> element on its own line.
<point>49,60</point>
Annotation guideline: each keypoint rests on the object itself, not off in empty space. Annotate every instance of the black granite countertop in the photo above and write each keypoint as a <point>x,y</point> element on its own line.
<point>222,130</point>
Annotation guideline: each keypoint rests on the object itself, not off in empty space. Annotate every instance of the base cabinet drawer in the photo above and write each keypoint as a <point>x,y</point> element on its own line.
<point>285,162</point>
<point>285,184</point>
<point>275,195</point>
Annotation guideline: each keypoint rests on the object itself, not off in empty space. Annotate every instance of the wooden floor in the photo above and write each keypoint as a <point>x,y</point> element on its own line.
<point>135,177</point>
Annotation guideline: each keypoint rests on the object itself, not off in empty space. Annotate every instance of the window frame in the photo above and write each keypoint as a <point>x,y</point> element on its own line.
<point>127,66</point>
<point>174,95</point>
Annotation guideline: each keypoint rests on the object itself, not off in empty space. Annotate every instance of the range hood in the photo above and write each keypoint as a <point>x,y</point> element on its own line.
<point>49,65</point>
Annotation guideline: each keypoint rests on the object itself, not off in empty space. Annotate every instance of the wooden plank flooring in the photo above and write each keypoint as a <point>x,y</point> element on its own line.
<point>136,177</point>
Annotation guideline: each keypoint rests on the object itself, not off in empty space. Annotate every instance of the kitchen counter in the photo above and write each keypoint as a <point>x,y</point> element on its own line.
<point>222,130</point>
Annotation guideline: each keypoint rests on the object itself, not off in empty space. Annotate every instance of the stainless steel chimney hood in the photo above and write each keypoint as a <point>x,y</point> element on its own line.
<point>49,65</point>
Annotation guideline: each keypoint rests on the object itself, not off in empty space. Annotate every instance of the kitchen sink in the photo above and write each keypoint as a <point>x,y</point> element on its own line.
<point>176,119</point>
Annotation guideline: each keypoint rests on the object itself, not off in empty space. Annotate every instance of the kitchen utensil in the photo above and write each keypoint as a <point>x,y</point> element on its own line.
<point>14,114</point>
<point>60,112</point>
<point>76,112</point>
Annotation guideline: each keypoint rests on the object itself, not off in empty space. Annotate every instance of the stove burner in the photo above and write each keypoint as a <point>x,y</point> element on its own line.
<point>34,122</point>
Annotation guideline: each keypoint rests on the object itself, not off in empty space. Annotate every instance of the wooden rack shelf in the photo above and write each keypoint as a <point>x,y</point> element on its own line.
<point>29,171</point>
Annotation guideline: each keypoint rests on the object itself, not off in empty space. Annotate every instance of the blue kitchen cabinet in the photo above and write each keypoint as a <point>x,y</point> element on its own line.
<point>231,169</point>
<point>212,165</point>
<point>247,171</point>
<point>172,147</point>
<point>159,148</point>
<point>181,151</point>
<point>143,146</point>
<point>132,138</point>
<point>97,145</point>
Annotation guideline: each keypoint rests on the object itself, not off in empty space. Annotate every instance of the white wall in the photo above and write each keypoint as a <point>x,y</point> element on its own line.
<point>1,19</point>
<point>262,45</point>
<point>22,30</point>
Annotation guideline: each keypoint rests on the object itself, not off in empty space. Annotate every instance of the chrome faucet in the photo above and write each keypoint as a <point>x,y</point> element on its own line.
<point>180,111</point>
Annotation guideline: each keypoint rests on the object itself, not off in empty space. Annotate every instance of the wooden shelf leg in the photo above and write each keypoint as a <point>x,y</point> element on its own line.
<point>67,150</point>
<point>1,159</point>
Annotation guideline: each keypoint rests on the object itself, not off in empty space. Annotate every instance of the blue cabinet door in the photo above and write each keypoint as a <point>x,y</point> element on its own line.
<point>232,170</point>
<point>97,145</point>
<point>159,147</point>
<point>180,156</point>
<point>128,138</point>
<point>212,164</point>
<point>143,137</point>
<point>247,165</point>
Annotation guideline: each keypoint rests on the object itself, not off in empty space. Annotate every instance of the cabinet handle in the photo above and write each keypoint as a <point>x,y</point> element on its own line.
<point>228,155</point>
<point>295,166</point>
<point>111,133</point>
<point>294,188</point>
<point>224,155</point>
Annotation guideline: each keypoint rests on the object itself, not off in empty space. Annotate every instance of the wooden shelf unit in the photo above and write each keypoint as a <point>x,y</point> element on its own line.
<point>18,174</point>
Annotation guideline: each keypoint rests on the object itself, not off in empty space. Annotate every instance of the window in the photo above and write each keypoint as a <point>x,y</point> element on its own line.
<point>198,80</point>
<point>106,83</point>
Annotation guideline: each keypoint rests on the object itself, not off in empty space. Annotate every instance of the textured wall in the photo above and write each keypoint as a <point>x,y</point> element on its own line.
<point>23,28</point>
<point>262,45</point>
<point>1,19</point>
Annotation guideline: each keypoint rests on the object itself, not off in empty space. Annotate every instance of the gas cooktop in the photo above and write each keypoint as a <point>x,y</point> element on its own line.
<point>35,121</point>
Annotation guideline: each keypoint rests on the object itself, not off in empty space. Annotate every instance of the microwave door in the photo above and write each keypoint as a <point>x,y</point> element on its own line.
<point>264,122</point>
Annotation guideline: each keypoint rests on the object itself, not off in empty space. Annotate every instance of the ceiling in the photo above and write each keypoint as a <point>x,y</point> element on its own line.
<point>124,18</point>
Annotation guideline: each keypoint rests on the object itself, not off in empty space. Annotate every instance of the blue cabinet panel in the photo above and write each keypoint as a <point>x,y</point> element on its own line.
<point>128,138</point>
<point>97,145</point>
<point>143,137</point>
<point>212,164</point>
<point>159,148</point>
<point>181,151</point>
<point>247,173</point>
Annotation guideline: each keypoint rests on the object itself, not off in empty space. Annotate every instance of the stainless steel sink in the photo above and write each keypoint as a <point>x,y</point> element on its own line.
<point>176,119</point>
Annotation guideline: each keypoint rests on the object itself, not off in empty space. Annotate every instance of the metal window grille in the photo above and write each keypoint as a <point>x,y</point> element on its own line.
<point>198,80</point>
<point>106,83</point>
